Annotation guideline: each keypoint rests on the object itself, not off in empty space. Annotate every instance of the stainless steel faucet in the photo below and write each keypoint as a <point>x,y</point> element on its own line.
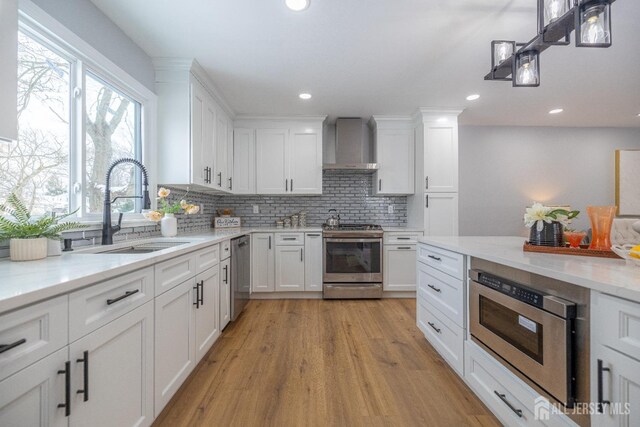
<point>108,230</point>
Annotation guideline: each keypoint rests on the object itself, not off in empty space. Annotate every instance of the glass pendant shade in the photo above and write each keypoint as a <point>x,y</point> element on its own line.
<point>593,26</point>
<point>501,50</point>
<point>526,69</point>
<point>555,9</point>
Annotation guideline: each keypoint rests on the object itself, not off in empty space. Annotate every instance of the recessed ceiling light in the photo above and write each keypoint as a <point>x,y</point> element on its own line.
<point>305,96</point>
<point>556,111</point>
<point>473,97</point>
<point>638,114</point>
<point>442,120</point>
<point>297,5</point>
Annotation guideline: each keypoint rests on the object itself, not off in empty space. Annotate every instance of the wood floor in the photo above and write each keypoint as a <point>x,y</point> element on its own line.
<point>324,363</point>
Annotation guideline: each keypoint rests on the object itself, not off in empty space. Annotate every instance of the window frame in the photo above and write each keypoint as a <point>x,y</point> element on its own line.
<point>36,23</point>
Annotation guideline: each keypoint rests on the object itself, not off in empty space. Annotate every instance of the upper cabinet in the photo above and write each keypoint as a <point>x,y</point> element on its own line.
<point>288,155</point>
<point>395,155</point>
<point>244,161</point>
<point>194,128</point>
<point>8,70</point>
<point>438,153</point>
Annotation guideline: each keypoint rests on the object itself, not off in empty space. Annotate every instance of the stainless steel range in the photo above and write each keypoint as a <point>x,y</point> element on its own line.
<point>352,261</point>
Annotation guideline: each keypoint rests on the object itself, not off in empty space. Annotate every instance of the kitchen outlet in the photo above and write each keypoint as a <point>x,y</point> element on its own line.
<point>256,209</point>
<point>391,209</point>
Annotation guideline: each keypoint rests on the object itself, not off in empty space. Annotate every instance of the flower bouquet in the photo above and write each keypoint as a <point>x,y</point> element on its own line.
<point>166,212</point>
<point>549,224</point>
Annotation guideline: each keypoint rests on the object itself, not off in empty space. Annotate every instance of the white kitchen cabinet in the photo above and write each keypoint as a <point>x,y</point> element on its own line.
<point>272,161</point>
<point>441,157</point>
<point>221,177</point>
<point>8,70</point>
<point>225,293</point>
<point>395,156</point>
<point>175,347</point>
<point>313,262</point>
<point>263,262</point>
<point>305,165</point>
<point>113,367</point>
<point>31,396</point>
<point>202,126</point>
<point>207,311</point>
<point>289,268</point>
<point>399,267</point>
<point>244,161</point>
<point>441,214</point>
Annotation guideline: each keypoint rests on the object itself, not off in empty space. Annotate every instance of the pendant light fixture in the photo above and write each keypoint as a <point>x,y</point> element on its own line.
<point>557,19</point>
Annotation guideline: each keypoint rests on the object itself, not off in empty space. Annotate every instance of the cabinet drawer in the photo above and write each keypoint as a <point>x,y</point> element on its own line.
<point>225,249</point>
<point>489,379</point>
<point>442,291</point>
<point>401,238</point>
<point>207,258</point>
<point>31,333</point>
<point>616,323</point>
<point>97,305</point>
<point>445,336</point>
<point>174,271</point>
<point>284,239</point>
<point>448,262</point>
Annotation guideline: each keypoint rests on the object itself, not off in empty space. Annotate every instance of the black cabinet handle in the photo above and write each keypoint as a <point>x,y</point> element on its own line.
<point>219,179</point>
<point>289,238</point>
<point>197,288</point>
<point>406,248</point>
<point>426,183</point>
<point>434,288</point>
<point>403,238</point>
<point>230,184</point>
<point>269,242</point>
<point>601,401</point>
<point>85,389</point>
<point>7,347</point>
<point>121,297</point>
<point>434,327</point>
<point>291,184</point>
<point>67,388</point>
<point>286,185</point>
<point>435,257</point>
<point>502,397</point>
<point>301,255</point>
<point>226,274</point>
<point>313,235</point>
<point>201,293</point>
<point>380,184</point>
<point>426,203</point>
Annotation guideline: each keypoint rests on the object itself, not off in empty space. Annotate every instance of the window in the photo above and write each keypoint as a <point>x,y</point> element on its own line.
<point>74,121</point>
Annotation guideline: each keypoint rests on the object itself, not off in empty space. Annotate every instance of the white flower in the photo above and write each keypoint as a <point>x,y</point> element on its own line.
<point>192,209</point>
<point>163,193</point>
<point>537,214</point>
<point>153,215</point>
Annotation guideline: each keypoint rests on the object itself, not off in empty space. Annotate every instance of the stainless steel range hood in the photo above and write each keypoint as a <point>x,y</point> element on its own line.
<point>352,146</point>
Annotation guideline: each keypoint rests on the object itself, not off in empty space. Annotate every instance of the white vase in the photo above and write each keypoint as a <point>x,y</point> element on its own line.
<point>169,225</point>
<point>53,247</point>
<point>28,249</point>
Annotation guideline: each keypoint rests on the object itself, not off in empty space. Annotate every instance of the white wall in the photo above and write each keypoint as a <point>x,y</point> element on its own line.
<point>505,169</point>
<point>90,24</point>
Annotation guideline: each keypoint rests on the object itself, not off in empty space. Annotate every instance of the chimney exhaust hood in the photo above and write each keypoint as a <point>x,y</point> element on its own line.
<point>352,146</point>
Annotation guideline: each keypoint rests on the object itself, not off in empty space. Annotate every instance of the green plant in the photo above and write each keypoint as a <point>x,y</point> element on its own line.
<point>16,222</point>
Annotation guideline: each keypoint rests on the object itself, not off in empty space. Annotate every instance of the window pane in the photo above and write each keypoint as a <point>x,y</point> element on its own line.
<point>113,132</point>
<point>36,167</point>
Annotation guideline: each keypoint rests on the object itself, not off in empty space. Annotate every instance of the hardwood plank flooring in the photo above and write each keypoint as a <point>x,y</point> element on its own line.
<point>324,363</point>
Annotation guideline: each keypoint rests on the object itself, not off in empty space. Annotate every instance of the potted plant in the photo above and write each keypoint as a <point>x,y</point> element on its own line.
<point>167,211</point>
<point>28,236</point>
<point>549,224</point>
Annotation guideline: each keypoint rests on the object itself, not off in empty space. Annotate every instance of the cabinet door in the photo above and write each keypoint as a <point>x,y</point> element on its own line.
<point>244,161</point>
<point>272,161</point>
<point>289,268</point>
<point>441,158</point>
<point>220,179</point>
<point>112,373</point>
<point>208,140</point>
<point>399,268</point>
<point>229,181</point>
<point>305,166</point>
<point>207,311</point>
<point>313,262</point>
<point>262,262</point>
<point>620,386</point>
<point>199,135</point>
<point>175,341</point>
<point>225,293</point>
<point>8,67</point>
<point>31,396</point>
<point>441,214</point>
<point>395,155</point>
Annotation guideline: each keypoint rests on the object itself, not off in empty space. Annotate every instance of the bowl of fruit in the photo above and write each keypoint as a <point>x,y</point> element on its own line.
<point>631,253</point>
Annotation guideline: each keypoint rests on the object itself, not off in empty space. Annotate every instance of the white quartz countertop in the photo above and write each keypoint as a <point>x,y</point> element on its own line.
<point>610,276</point>
<point>23,283</point>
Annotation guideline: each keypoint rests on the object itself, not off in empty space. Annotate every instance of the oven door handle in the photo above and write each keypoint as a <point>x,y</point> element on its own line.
<point>503,397</point>
<point>353,240</point>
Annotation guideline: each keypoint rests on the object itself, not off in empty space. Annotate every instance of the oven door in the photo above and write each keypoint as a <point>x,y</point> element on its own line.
<point>533,341</point>
<point>352,260</point>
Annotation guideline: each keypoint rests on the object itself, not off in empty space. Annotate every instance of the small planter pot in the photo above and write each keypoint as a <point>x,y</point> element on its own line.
<point>169,225</point>
<point>550,235</point>
<point>28,249</point>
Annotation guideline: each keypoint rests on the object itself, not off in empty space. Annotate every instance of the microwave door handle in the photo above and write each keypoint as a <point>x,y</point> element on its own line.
<point>365,240</point>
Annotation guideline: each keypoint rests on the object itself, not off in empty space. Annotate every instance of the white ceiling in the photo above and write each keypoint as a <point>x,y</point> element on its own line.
<point>364,57</point>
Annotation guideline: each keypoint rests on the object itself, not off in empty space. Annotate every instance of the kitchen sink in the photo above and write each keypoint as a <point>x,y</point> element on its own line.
<point>135,248</point>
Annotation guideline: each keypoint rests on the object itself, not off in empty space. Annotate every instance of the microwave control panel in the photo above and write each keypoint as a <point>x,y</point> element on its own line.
<point>514,290</point>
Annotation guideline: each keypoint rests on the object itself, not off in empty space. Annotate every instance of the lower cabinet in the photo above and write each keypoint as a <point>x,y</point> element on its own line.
<point>112,373</point>
<point>31,396</point>
<point>399,268</point>
<point>175,348</point>
<point>313,262</point>
<point>207,311</point>
<point>263,277</point>
<point>289,268</point>
<point>441,214</point>
<point>225,293</point>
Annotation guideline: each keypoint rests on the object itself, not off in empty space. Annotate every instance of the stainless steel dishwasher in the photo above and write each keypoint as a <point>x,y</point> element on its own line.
<point>240,274</point>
